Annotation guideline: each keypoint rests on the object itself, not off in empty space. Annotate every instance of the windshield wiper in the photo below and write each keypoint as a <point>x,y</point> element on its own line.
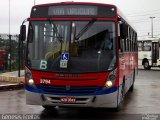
<point>55,29</point>
<point>84,29</point>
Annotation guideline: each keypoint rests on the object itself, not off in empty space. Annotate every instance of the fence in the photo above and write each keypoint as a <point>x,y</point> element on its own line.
<point>11,53</point>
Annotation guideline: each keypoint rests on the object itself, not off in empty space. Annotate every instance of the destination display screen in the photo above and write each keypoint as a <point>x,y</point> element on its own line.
<point>76,10</point>
<point>73,10</point>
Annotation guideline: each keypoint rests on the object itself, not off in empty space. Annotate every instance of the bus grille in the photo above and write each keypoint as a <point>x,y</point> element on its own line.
<point>69,90</point>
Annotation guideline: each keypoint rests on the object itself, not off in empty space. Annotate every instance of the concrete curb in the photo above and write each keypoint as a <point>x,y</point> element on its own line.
<point>12,79</point>
<point>14,86</point>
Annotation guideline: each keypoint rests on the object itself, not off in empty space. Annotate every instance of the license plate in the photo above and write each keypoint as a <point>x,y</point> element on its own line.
<point>68,100</point>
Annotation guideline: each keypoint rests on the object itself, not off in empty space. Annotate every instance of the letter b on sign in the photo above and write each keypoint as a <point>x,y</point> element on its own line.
<point>43,64</point>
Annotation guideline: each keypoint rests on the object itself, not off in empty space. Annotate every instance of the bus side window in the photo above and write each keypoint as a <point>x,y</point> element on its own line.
<point>134,41</point>
<point>126,44</point>
<point>129,40</point>
<point>123,45</point>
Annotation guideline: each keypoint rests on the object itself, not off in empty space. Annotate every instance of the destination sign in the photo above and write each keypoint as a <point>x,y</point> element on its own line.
<point>73,10</point>
<point>77,10</point>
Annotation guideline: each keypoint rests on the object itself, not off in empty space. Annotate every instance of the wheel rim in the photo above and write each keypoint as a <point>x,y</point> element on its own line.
<point>122,92</point>
<point>146,64</point>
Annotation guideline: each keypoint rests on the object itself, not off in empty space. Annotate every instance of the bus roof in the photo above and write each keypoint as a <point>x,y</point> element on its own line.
<point>118,14</point>
<point>123,16</point>
<point>74,9</point>
<point>154,39</point>
<point>70,3</point>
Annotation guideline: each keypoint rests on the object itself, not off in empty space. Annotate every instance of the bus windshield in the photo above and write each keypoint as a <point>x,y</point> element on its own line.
<point>147,45</point>
<point>140,45</point>
<point>71,46</point>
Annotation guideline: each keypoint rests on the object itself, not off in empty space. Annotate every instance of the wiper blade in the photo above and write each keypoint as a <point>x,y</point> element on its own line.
<point>55,29</point>
<point>84,29</point>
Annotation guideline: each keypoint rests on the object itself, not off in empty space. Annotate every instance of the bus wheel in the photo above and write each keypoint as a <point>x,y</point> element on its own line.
<point>132,87</point>
<point>48,107</point>
<point>122,95</point>
<point>146,65</point>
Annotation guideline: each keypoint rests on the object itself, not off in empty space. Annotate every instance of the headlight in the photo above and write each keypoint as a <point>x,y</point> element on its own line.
<point>29,79</point>
<point>111,79</point>
<point>31,82</point>
<point>109,84</point>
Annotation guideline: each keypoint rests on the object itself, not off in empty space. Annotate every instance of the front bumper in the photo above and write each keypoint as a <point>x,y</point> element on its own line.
<point>104,100</point>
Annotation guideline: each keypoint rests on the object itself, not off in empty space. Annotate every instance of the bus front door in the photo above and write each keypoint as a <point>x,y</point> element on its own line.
<point>155,52</point>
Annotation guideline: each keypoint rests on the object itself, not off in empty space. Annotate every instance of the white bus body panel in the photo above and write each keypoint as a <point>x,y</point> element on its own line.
<point>144,54</point>
<point>148,54</point>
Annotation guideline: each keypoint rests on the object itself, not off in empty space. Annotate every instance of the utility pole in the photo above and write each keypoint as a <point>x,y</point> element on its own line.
<point>19,56</point>
<point>152,25</point>
<point>34,2</point>
<point>9,54</point>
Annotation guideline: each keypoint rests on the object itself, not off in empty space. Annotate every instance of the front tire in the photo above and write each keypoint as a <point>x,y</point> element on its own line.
<point>122,96</point>
<point>132,87</point>
<point>146,65</point>
<point>48,107</point>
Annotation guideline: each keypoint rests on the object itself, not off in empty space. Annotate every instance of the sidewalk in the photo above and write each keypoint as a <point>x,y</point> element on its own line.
<point>10,80</point>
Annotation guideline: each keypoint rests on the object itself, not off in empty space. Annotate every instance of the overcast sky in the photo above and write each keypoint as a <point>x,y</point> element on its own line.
<point>136,11</point>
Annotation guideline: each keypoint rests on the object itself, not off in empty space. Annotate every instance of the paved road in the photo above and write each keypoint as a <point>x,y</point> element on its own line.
<point>144,100</point>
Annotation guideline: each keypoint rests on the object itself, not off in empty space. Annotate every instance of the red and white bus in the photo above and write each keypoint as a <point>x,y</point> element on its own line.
<point>79,55</point>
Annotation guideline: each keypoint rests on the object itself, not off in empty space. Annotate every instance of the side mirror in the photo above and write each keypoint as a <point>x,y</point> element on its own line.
<point>123,31</point>
<point>23,33</point>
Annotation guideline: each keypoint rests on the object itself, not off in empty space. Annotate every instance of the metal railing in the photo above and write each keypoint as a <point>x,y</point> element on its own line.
<point>11,53</point>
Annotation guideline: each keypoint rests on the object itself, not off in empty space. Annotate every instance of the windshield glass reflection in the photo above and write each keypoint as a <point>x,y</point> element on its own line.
<point>72,46</point>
